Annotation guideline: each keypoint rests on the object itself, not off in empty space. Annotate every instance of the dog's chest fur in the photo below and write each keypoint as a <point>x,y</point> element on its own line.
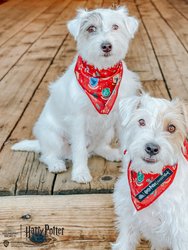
<point>68,102</point>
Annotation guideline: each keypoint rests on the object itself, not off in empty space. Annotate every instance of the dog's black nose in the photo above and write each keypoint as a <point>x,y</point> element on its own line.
<point>106,46</point>
<point>152,149</point>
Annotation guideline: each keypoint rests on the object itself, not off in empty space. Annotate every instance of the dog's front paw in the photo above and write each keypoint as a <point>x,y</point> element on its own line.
<point>116,246</point>
<point>81,175</point>
<point>54,164</point>
<point>57,167</point>
<point>121,246</point>
<point>114,155</point>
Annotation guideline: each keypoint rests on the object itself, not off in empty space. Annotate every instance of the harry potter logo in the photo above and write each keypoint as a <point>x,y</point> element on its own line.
<point>45,230</point>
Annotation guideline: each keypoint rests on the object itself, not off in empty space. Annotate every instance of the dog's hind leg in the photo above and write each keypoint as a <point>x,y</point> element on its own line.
<point>105,150</point>
<point>110,154</point>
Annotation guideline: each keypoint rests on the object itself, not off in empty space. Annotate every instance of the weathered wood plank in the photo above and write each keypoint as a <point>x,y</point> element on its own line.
<point>38,60</point>
<point>171,55</point>
<point>140,57</point>
<point>7,7</point>
<point>14,48</point>
<point>28,72</point>
<point>175,20</point>
<point>156,88</point>
<point>88,221</point>
<point>21,15</point>
<point>181,6</point>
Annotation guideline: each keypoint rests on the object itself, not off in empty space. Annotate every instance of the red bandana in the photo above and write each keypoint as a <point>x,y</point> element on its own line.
<point>101,86</point>
<point>145,188</point>
<point>185,152</point>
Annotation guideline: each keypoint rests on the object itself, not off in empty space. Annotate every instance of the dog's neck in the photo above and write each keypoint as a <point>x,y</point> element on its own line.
<point>99,72</point>
<point>100,85</point>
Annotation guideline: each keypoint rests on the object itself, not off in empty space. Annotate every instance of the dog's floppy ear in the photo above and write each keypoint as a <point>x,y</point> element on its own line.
<point>132,25</point>
<point>74,24</point>
<point>130,22</point>
<point>127,107</point>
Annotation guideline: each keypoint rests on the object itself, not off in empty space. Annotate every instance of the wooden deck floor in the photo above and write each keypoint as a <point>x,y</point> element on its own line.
<point>35,48</point>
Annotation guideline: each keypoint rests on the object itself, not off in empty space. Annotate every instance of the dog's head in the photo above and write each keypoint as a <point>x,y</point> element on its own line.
<point>153,131</point>
<point>103,35</point>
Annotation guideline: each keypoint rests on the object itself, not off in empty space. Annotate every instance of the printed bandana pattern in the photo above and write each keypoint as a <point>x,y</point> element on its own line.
<point>101,86</point>
<point>147,187</point>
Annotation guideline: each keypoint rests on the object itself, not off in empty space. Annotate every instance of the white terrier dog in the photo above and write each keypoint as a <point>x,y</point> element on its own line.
<point>151,195</point>
<point>76,120</point>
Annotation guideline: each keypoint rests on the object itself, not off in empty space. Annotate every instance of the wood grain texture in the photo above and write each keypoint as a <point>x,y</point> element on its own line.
<point>174,19</point>
<point>20,16</point>
<point>141,57</point>
<point>43,62</point>
<point>88,221</point>
<point>29,72</point>
<point>180,6</point>
<point>171,54</point>
<point>16,47</point>
<point>28,168</point>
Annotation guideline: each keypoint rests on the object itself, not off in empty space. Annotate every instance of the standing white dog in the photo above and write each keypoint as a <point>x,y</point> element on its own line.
<point>151,195</point>
<point>81,113</point>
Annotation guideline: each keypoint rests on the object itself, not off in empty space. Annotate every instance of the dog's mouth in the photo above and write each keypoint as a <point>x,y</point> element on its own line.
<point>107,54</point>
<point>149,160</point>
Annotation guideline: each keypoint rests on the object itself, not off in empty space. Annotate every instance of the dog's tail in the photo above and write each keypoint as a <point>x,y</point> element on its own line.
<point>27,145</point>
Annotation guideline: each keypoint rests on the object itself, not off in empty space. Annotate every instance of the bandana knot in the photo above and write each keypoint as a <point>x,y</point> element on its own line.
<point>101,86</point>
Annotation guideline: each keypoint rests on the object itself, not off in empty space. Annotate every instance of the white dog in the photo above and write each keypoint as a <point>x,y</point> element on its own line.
<point>81,113</point>
<point>151,195</point>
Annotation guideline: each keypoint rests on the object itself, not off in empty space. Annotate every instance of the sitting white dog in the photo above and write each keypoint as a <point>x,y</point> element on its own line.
<point>151,195</point>
<point>80,115</point>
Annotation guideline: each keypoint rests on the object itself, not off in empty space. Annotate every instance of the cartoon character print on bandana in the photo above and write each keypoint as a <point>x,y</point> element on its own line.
<point>116,79</point>
<point>101,86</point>
<point>106,93</point>
<point>93,82</point>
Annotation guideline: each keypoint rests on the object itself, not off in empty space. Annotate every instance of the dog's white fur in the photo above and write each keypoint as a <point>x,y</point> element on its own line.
<point>69,127</point>
<point>165,221</point>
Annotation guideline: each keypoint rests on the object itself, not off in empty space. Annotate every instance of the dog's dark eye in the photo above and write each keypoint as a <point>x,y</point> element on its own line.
<point>142,122</point>
<point>171,128</point>
<point>115,27</point>
<point>91,29</point>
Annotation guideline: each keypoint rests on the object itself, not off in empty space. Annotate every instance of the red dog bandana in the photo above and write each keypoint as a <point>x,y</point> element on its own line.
<point>101,86</point>
<point>145,188</point>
